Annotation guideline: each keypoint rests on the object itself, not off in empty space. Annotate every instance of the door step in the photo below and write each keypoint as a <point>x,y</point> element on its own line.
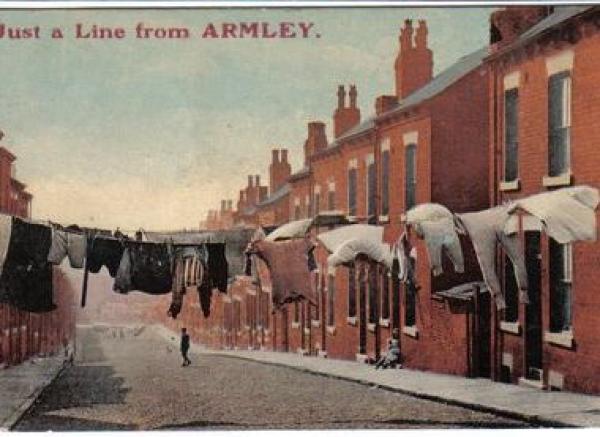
<point>532,383</point>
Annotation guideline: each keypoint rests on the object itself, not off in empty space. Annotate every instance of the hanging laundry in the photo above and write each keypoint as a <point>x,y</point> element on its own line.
<point>104,251</point>
<point>567,215</point>
<point>144,267</point>
<point>349,250</point>
<point>287,262</point>
<point>434,224</point>
<point>217,266</point>
<point>68,244</point>
<point>5,231</point>
<point>185,259</point>
<point>332,240</point>
<point>486,228</point>
<point>294,229</point>
<point>26,279</point>
<point>407,259</point>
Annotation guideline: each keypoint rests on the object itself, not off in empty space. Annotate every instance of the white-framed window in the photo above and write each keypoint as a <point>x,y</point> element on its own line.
<point>559,123</point>
<point>331,196</point>
<point>561,286</point>
<point>385,177</point>
<point>511,134</point>
<point>331,298</point>
<point>370,185</point>
<point>352,187</point>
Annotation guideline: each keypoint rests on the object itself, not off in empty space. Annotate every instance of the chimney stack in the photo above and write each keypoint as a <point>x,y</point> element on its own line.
<point>249,181</point>
<point>257,179</point>
<point>414,63</point>
<point>345,117</point>
<point>279,170</point>
<point>511,21</point>
<point>229,205</point>
<point>223,205</point>
<point>385,103</point>
<point>284,156</point>
<point>275,156</point>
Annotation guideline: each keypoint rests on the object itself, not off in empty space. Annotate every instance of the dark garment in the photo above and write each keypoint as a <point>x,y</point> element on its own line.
<point>217,266</point>
<point>185,342</point>
<point>289,269</point>
<point>145,267</point>
<point>205,296</point>
<point>104,252</point>
<point>26,279</point>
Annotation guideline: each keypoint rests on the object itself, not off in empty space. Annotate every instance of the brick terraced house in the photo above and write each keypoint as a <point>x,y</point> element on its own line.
<point>509,120</point>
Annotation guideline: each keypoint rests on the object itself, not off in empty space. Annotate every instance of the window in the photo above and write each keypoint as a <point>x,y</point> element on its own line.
<point>371,175</point>
<point>352,292</point>
<point>317,309</point>
<point>511,292</point>
<point>410,307</point>
<point>331,200</point>
<point>385,295</point>
<point>330,301</point>
<point>297,212</point>
<point>410,185</point>
<point>317,203</point>
<point>385,182</point>
<point>561,268</point>
<point>352,192</point>
<point>559,124</point>
<point>511,135</point>
<point>373,313</point>
<point>296,313</point>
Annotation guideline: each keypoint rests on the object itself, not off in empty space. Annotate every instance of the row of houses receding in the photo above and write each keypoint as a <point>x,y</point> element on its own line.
<point>515,118</point>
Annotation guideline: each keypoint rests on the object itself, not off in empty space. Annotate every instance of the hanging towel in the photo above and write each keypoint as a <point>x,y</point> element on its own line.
<point>567,215</point>
<point>67,244</point>
<point>486,228</point>
<point>287,262</point>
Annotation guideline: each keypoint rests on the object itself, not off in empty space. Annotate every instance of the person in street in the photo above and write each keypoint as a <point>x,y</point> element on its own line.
<point>185,347</point>
<point>392,358</point>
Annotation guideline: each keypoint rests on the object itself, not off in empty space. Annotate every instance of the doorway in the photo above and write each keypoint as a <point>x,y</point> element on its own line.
<point>533,312</point>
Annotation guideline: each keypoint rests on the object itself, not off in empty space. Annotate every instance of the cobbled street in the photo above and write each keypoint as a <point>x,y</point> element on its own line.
<point>133,380</point>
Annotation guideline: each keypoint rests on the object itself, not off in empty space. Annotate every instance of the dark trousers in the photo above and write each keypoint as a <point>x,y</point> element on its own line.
<point>184,354</point>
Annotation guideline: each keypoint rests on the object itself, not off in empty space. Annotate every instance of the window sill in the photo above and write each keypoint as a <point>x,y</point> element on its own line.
<point>371,327</point>
<point>510,327</point>
<point>331,330</point>
<point>315,323</point>
<point>384,219</point>
<point>557,181</point>
<point>532,383</point>
<point>384,322</point>
<point>564,338</point>
<point>510,185</point>
<point>410,331</point>
<point>351,321</point>
<point>295,325</point>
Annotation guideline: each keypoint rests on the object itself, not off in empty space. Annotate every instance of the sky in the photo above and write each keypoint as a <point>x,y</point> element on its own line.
<point>154,133</point>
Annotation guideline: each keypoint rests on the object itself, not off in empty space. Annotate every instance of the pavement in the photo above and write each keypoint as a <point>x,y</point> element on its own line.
<point>547,408</point>
<point>21,385</point>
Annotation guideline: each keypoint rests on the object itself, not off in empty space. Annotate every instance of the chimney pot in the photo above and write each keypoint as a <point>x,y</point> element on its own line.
<point>249,181</point>
<point>353,93</point>
<point>275,156</point>
<point>257,178</point>
<point>284,155</point>
<point>341,94</point>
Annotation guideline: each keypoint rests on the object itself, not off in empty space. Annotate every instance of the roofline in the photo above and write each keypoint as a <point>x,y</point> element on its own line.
<point>519,43</point>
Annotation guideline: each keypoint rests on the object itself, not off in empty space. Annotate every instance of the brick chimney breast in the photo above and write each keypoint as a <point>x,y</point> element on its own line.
<point>414,63</point>
<point>384,104</point>
<point>345,117</point>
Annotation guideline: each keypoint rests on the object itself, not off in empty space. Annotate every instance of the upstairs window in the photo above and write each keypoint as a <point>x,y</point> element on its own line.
<point>330,300</point>
<point>385,182</point>
<point>317,203</point>
<point>511,127</point>
<point>559,124</point>
<point>410,173</point>
<point>373,313</point>
<point>385,295</point>
<point>331,200</point>
<point>371,185</point>
<point>352,178</point>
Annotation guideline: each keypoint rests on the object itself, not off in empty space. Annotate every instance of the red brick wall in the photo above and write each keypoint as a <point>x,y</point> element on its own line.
<point>585,159</point>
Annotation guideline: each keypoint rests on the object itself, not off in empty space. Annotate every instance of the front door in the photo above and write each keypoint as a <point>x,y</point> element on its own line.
<point>533,312</point>
<point>362,312</point>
